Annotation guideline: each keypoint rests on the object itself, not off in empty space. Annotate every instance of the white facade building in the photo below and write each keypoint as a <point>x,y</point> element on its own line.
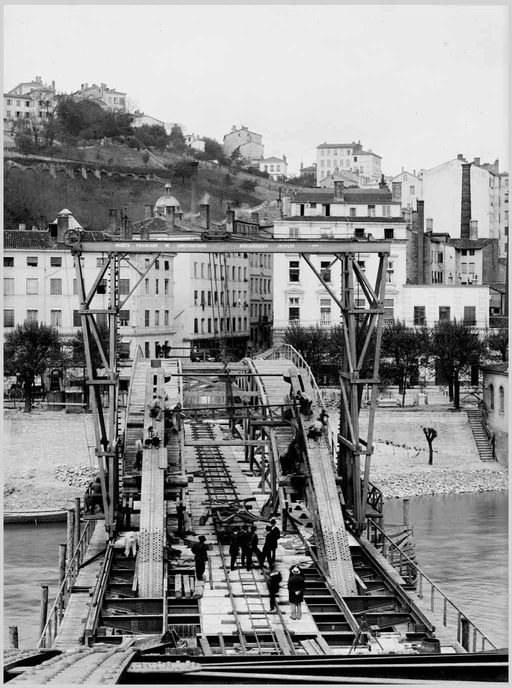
<point>108,98</point>
<point>249,143</point>
<point>347,157</point>
<point>299,297</point>
<point>29,100</point>
<point>420,304</point>
<point>277,168</point>
<point>407,187</point>
<point>458,193</point>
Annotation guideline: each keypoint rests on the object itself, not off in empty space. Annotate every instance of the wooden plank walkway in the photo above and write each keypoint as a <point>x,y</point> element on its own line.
<point>72,626</point>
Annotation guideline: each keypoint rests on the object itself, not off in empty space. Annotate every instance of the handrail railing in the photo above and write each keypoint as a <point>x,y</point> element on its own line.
<point>491,437</point>
<point>56,613</point>
<point>288,351</point>
<point>91,622</point>
<point>411,572</point>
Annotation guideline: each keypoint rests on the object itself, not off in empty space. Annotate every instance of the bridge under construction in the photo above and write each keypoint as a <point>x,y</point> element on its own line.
<point>215,435</point>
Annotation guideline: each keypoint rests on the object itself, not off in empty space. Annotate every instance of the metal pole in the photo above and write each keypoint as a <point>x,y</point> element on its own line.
<point>70,535</point>
<point>13,637</point>
<point>405,505</point>
<point>77,521</point>
<point>62,563</point>
<point>43,612</point>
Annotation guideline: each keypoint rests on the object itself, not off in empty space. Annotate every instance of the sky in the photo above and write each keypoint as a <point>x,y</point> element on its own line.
<point>416,84</point>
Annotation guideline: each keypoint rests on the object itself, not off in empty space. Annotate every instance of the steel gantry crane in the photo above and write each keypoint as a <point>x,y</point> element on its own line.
<point>361,331</point>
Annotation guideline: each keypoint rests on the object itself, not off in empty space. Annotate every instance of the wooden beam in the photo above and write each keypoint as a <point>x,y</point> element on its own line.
<point>226,443</point>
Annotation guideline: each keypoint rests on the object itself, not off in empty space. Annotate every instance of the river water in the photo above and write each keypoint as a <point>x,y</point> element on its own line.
<point>461,544</point>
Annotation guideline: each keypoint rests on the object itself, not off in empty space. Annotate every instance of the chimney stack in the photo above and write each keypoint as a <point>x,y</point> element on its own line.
<point>429,224</point>
<point>460,156</point>
<point>420,216</point>
<point>473,229</point>
<point>62,224</point>
<point>476,161</point>
<point>338,190</point>
<point>113,221</point>
<point>230,221</point>
<point>204,212</point>
<point>382,183</point>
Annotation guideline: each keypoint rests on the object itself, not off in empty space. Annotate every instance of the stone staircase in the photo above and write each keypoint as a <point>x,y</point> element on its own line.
<point>481,439</point>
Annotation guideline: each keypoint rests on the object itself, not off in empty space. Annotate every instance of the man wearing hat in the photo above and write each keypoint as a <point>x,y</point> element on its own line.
<point>296,587</point>
<point>200,552</point>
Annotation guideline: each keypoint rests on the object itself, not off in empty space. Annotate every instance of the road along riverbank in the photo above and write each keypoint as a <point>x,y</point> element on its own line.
<point>49,457</point>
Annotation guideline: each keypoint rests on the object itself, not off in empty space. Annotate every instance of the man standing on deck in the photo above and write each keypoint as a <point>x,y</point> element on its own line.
<point>274,535</point>
<point>234,548</point>
<point>243,539</point>
<point>200,552</point>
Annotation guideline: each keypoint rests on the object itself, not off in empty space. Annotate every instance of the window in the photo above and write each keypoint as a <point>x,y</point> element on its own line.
<point>293,309</point>
<point>8,261</point>
<point>146,285</point>
<point>56,287</point>
<point>33,315</point>
<point>440,257</point>
<point>56,318</point>
<point>359,233</point>
<point>502,400</point>
<point>371,211</point>
<point>325,311</point>
<point>419,315</point>
<point>102,287</point>
<point>124,318</point>
<point>146,318</point>
<point>157,318</point>
<point>75,286</point>
<point>8,286</point>
<point>293,232</point>
<point>412,189</point>
<point>77,320</point>
<point>464,268</point>
<point>325,270</point>
<point>157,265</point>
<point>55,261</point>
<point>100,262</point>
<point>166,318</point>
<point>491,397</point>
<point>209,325</point>
<point>166,287</point>
<point>444,313</point>
<point>352,212</point>
<point>471,268</point>
<point>390,272</point>
<point>196,326</point>
<point>327,210</point>
<point>124,286</point>
<point>389,233</point>
<point>385,211</point>
<point>470,315</point>
<point>293,271</point>
<point>32,285</point>
<point>362,265</point>
<point>8,317</point>
<point>195,269</point>
<point>32,261</point>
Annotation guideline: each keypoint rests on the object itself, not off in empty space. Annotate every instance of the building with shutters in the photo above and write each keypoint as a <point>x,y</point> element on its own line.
<point>29,100</point>
<point>347,157</point>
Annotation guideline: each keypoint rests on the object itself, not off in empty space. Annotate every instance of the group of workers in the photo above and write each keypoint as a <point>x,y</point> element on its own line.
<point>244,542</point>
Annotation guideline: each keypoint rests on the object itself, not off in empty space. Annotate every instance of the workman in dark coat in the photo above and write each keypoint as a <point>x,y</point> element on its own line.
<point>273,583</point>
<point>265,553</point>
<point>252,547</point>
<point>243,540</point>
<point>234,548</point>
<point>275,534</point>
<point>296,588</point>
<point>200,552</point>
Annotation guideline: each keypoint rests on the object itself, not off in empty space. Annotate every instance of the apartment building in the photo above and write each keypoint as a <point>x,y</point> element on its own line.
<point>108,98</point>
<point>248,142</point>
<point>347,157</point>
<point>299,297</point>
<point>407,187</point>
<point>277,168</point>
<point>460,195</point>
<point>29,100</point>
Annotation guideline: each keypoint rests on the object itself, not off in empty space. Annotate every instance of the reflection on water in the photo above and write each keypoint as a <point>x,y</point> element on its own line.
<point>31,556</point>
<point>462,545</point>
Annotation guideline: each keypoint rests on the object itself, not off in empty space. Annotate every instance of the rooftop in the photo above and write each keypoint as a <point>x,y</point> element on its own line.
<point>469,243</point>
<point>42,241</point>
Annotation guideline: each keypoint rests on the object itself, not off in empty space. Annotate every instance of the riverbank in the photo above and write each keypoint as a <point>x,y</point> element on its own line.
<point>49,457</point>
<point>399,466</point>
